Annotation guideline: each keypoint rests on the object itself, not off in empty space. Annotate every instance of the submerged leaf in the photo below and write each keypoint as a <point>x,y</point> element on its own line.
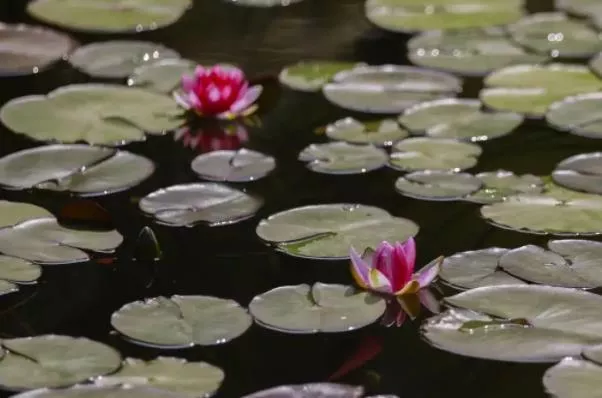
<point>368,349</point>
<point>85,213</point>
<point>343,158</point>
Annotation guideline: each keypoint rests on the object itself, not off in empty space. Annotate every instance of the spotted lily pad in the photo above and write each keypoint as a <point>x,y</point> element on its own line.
<point>118,58</point>
<point>189,204</point>
<point>94,113</point>
<point>531,89</point>
<point>235,166</point>
<point>163,76</point>
<point>175,375</point>
<point>416,15</point>
<point>581,172</point>
<point>476,268</point>
<point>343,158</point>
<point>378,132</point>
<point>312,75</point>
<point>574,378</point>
<point>518,323</point>
<point>437,185</point>
<point>181,321</point>
<point>81,169</point>
<point>460,119</point>
<point>388,88</point>
<point>327,231</point>
<point>31,49</point>
<point>54,361</point>
<point>434,154</point>
<point>110,16</point>
<point>556,34</point>
<point>314,309</point>
<point>91,391</point>
<point>469,52</point>
<point>579,115</point>
<point>497,185</point>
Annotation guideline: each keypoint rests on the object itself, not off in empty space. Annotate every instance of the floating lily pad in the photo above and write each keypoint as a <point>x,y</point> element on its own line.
<point>13,213</point>
<point>518,323</point>
<point>110,16</point>
<point>54,361</point>
<point>343,158</point>
<point>327,231</point>
<point>20,271</point>
<point>175,375</point>
<point>460,119</point>
<point>434,154</point>
<point>181,321</point>
<point>314,309</point>
<point>31,49</point>
<point>476,268</point>
<point>579,115</point>
<point>437,185</point>
<point>94,113</point>
<point>388,88</point>
<point>118,58</point>
<point>235,166</point>
<point>310,390</point>
<point>163,76</point>
<point>584,8</point>
<point>531,89</point>
<point>498,185</point>
<point>574,378</point>
<point>469,52</point>
<point>81,169</point>
<point>264,3</point>
<point>312,75</point>
<point>556,34</point>
<point>555,211</point>
<point>378,132</point>
<point>210,203</point>
<point>91,391</point>
<point>580,173</point>
<point>416,15</point>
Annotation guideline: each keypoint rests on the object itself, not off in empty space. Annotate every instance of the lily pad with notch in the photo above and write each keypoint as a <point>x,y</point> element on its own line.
<point>576,377</point>
<point>468,52</point>
<point>92,391</point>
<point>327,231</point>
<point>343,158</point>
<point>305,309</point>
<point>242,165</point>
<point>437,185</point>
<point>208,203</point>
<point>312,75</point>
<point>531,89</point>
<point>95,113</point>
<point>163,76</point>
<point>388,88</point>
<point>581,172</point>
<point>181,321</point>
<point>518,323</point>
<point>498,185</point>
<point>421,153</point>
<point>377,132</point>
<point>579,115</point>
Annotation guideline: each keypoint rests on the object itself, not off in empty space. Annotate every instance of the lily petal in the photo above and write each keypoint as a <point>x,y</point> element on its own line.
<point>368,255</point>
<point>181,99</point>
<point>379,282</point>
<point>412,287</point>
<point>402,270</point>
<point>429,301</point>
<point>188,83</point>
<point>394,315</point>
<point>359,269</point>
<point>410,304</point>
<point>429,272</point>
<point>383,258</point>
<point>250,96</point>
<point>409,249</point>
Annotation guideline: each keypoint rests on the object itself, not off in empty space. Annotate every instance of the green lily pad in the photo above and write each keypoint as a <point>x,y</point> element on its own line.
<point>91,391</point>
<point>20,271</point>
<point>574,378</point>
<point>581,172</point>
<point>174,375</point>
<point>434,154</point>
<point>313,390</point>
<point>518,323</point>
<point>163,76</point>
<point>242,165</point>
<point>579,115</point>
<point>437,185</point>
<point>81,169</point>
<point>460,119</point>
<point>416,15</point>
<point>181,321</point>
<point>343,158</point>
<point>468,52</point>
<point>53,361</point>
<point>327,231</point>
<point>94,113</point>
<point>13,213</point>
<point>476,268</point>
<point>312,75</point>
<point>189,204</point>
<point>498,185</point>
<point>377,132</point>
<point>110,16</point>
<point>584,8</point>
<point>531,89</point>
<point>314,309</point>
<point>264,3</point>
<point>118,58</point>
<point>388,88</point>
<point>556,34</point>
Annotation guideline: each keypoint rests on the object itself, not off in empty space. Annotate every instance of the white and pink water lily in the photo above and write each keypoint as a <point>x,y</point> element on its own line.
<point>220,91</point>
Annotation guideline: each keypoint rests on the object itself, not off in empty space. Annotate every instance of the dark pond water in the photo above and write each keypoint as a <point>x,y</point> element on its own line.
<point>230,261</point>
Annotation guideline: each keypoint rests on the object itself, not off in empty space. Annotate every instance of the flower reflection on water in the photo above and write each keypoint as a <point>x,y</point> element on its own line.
<point>213,137</point>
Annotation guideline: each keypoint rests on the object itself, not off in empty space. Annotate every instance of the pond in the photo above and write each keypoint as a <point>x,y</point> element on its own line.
<point>228,259</point>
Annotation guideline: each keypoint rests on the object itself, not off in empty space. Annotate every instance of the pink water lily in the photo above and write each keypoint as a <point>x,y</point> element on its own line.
<point>220,91</point>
